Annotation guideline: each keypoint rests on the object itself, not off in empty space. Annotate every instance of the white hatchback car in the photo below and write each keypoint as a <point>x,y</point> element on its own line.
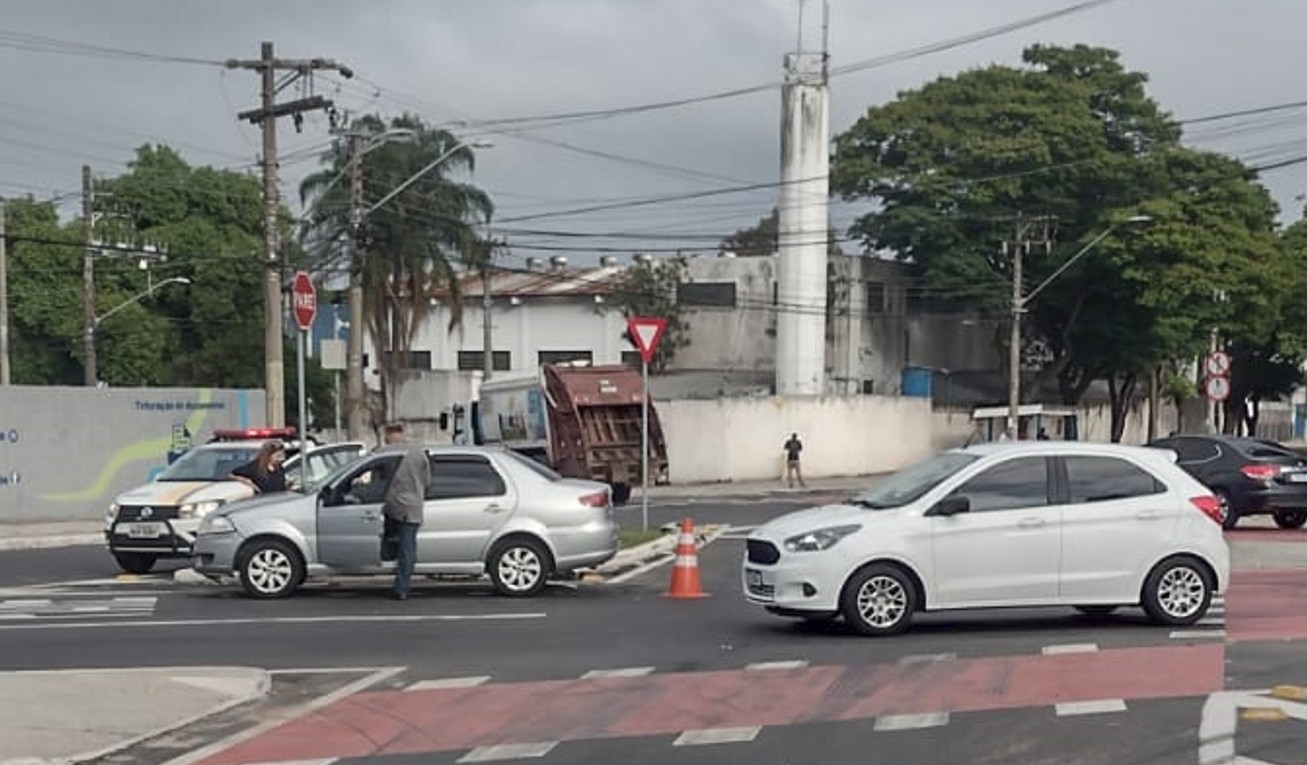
<point>1092,526</point>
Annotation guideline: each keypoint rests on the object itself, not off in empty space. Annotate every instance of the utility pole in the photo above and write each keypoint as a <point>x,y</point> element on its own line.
<point>4,299</point>
<point>487,303</point>
<point>354,353</point>
<point>267,65</point>
<point>1018,247</point>
<point>91,376</point>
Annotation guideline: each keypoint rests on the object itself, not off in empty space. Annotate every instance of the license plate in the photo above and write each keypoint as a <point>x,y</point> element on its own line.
<point>145,530</point>
<point>752,577</point>
<point>1296,477</point>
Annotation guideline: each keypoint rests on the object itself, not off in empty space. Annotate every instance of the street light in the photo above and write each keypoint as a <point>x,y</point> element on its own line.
<point>137,298</point>
<point>1019,304</point>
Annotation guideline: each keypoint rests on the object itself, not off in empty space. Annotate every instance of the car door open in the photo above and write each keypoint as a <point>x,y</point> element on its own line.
<point>349,516</point>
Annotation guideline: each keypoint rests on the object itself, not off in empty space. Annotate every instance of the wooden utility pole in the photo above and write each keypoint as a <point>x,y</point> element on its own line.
<point>1029,232</point>
<point>89,366</point>
<point>267,65</point>
<point>354,391</point>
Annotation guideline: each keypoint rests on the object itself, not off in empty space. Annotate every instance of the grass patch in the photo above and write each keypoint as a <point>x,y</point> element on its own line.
<point>632,537</point>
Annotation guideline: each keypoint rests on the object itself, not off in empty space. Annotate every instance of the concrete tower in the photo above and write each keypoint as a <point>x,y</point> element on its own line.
<point>804,222</point>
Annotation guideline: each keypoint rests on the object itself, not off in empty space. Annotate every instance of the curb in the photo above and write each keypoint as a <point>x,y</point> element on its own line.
<point>646,554</point>
<point>8,544</point>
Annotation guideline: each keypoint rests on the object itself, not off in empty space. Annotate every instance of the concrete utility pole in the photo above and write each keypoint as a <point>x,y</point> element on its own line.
<point>267,65</point>
<point>91,372</point>
<point>354,352</point>
<point>803,225</point>
<point>487,304</point>
<point>4,299</point>
<point>1029,233</point>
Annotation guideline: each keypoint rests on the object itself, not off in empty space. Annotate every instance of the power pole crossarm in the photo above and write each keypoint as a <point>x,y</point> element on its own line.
<point>267,65</point>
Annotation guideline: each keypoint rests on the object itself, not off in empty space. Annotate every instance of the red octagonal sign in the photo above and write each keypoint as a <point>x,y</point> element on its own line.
<point>305,300</point>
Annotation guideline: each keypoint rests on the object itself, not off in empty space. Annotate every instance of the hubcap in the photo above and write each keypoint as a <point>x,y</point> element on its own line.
<point>519,568</point>
<point>269,570</point>
<point>882,601</point>
<point>1181,592</point>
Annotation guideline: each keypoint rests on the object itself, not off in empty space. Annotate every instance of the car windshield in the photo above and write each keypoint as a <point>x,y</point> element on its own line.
<point>208,464</point>
<point>910,484</point>
<point>539,468</point>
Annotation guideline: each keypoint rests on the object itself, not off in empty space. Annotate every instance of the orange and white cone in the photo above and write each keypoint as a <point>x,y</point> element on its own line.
<point>685,569</point>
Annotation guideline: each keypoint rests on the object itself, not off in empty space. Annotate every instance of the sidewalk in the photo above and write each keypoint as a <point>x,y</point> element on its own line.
<point>89,714</point>
<point>38,536</point>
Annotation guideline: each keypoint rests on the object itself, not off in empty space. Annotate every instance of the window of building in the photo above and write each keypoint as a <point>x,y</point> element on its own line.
<point>877,298</point>
<point>413,359</point>
<point>502,361</point>
<point>706,294</point>
<point>562,357</point>
<point>1098,479</point>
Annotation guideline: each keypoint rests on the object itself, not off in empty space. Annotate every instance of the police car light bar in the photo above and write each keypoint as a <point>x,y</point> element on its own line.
<point>247,434</point>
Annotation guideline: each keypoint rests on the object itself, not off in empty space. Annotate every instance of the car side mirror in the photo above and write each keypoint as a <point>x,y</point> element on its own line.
<point>950,506</point>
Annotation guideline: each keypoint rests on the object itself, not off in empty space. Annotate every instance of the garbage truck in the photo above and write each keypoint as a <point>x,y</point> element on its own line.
<point>581,420</point>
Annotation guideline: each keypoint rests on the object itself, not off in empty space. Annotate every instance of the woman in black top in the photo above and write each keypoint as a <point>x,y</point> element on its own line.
<point>263,474</point>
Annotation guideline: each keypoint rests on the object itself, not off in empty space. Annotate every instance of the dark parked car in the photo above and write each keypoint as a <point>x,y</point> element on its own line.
<point>1251,476</point>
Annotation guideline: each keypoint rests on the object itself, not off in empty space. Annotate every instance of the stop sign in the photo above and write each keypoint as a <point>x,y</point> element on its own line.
<point>305,300</point>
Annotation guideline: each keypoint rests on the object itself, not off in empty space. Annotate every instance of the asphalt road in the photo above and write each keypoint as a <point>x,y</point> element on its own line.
<point>974,688</point>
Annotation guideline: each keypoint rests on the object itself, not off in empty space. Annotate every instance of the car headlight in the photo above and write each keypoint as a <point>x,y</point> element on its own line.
<point>821,539</point>
<point>216,524</point>
<point>112,515</point>
<point>198,509</point>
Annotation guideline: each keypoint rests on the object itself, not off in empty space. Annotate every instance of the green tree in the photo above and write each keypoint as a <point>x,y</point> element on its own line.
<point>416,243</point>
<point>649,288</point>
<point>761,240</point>
<point>45,295</point>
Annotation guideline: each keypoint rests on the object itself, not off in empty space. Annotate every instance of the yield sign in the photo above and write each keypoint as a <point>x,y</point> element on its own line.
<point>645,332</point>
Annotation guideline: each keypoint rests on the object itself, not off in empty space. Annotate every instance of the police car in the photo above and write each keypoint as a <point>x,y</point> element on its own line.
<point>158,520</point>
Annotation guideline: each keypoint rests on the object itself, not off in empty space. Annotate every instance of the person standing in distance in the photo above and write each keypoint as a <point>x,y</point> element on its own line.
<point>792,470</point>
<point>402,505</point>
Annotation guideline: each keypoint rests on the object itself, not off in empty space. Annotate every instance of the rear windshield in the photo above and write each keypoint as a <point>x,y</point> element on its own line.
<point>535,466</point>
<point>208,464</point>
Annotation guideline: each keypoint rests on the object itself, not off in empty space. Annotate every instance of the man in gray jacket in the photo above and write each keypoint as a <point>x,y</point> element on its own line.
<point>403,503</point>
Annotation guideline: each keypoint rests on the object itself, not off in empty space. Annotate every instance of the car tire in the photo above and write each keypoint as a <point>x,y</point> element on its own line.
<point>1096,610</point>
<point>519,567</point>
<point>1291,519</point>
<point>270,568</point>
<point>1231,517</point>
<point>135,563</point>
<point>879,600</point>
<point>1177,592</point>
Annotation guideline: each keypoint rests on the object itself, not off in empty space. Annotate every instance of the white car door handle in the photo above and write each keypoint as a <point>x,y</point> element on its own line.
<point>1148,515</point>
<point>492,508</point>
<point>1031,523</point>
<point>370,516</point>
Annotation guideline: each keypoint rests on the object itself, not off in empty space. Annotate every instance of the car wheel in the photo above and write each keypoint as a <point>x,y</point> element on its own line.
<point>1229,513</point>
<point>1096,610</point>
<point>270,568</point>
<point>135,563</point>
<point>519,567</point>
<point>879,600</point>
<point>1177,591</point>
<point>1290,519</point>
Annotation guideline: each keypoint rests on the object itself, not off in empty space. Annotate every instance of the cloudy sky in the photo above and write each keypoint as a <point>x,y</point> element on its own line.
<point>460,62</point>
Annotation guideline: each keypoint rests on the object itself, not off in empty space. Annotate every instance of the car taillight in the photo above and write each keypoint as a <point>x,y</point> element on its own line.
<point>598,499</point>
<point>1261,471</point>
<point>1211,506</point>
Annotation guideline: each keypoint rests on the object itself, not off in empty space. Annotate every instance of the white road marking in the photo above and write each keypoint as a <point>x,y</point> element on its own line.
<point>763,666</point>
<point>1089,707</point>
<point>911,722</point>
<point>327,761</point>
<point>448,682</point>
<point>508,752</point>
<point>927,658</point>
<point>641,570</point>
<point>397,618</point>
<point>1053,650</point>
<point>626,672</point>
<point>345,691</point>
<point>1216,732</point>
<point>716,736</point>
<point>1187,634</point>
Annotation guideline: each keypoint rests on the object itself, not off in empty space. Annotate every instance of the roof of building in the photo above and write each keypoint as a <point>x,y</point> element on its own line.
<point>553,282</point>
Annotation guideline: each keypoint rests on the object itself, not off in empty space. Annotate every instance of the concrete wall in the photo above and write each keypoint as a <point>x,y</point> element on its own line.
<point>65,453</point>
<point>741,439</point>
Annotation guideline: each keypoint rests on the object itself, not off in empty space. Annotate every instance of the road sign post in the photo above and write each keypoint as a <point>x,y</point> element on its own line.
<point>305,303</point>
<point>645,332</point>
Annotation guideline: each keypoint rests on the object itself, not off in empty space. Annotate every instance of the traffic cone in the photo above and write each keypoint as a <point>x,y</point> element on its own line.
<point>685,570</point>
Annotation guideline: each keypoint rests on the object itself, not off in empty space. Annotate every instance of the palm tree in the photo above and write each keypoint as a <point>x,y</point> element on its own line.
<point>414,244</point>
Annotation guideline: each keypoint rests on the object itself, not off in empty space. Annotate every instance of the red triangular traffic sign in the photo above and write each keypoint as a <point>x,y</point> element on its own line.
<point>646,332</point>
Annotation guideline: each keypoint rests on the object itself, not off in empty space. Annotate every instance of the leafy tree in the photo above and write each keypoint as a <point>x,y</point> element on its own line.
<point>760,240</point>
<point>650,289</point>
<point>45,296</point>
<point>416,243</point>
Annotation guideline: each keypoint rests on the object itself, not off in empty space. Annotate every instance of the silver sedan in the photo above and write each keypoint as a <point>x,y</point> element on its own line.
<point>488,511</point>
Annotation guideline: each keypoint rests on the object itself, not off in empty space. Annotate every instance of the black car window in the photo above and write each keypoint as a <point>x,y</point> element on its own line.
<point>1282,456</point>
<point>463,476</point>
<point>1011,485</point>
<point>1192,449</point>
<point>368,485</point>
<point>1098,479</point>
